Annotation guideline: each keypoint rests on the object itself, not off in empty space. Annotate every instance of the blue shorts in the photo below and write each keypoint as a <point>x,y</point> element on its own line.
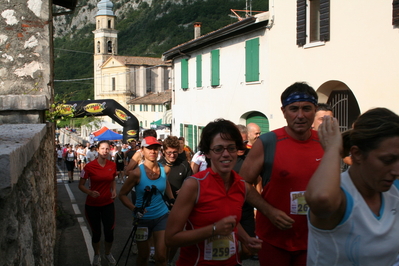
<point>145,227</point>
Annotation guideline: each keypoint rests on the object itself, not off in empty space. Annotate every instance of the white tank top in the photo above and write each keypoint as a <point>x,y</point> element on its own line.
<point>361,238</point>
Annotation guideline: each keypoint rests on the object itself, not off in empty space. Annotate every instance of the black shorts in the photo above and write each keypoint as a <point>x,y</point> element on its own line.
<point>146,227</point>
<point>120,167</point>
<point>70,165</point>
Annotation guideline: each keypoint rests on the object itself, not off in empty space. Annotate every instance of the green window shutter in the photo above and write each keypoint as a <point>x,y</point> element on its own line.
<point>181,130</point>
<point>252,60</point>
<point>190,140</point>
<point>215,68</point>
<point>184,74</point>
<point>141,107</point>
<point>199,70</point>
<point>194,147</point>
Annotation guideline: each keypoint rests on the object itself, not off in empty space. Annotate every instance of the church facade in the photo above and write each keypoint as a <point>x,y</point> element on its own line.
<point>127,78</point>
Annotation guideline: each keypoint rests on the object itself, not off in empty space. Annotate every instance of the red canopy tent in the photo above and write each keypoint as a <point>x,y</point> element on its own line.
<point>100,131</point>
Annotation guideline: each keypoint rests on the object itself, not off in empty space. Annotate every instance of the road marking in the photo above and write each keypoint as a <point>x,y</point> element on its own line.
<point>81,220</point>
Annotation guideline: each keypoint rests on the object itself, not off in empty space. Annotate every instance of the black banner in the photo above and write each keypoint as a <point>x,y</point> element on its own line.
<point>104,107</point>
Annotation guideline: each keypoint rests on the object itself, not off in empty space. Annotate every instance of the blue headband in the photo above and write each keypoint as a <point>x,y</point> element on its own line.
<point>299,97</point>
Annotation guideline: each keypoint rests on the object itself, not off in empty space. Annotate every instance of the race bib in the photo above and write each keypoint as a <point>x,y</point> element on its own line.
<point>120,161</point>
<point>142,234</point>
<point>70,159</point>
<point>220,247</point>
<point>298,203</point>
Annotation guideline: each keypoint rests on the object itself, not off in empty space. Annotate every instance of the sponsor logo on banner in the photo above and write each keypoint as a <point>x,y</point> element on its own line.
<point>130,140</point>
<point>121,115</point>
<point>67,109</point>
<point>95,108</point>
<point>131,132</point>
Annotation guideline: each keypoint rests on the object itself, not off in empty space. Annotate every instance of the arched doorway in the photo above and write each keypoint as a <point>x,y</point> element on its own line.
<point>259,119</point>
<point>342,100</point>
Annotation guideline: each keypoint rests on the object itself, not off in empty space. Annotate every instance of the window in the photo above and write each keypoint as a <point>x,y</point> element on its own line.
<point>146,110</point>
<point>109,45</point>
<point>153,108</point>
<point>313,21</point>
<point>150,79</point>
<point>109,24</point>
<point>199,70</point>
<point>184,74</point>
<point>215,68</point>
<point>395,13</point>
<point>160,108</point>
<point>113,84</point>
<point>141,123</point>
<point>141,107</point>
<point>252,60</point>
<point>133,107</point>
<point>98,47</point>
<point>166,79</point>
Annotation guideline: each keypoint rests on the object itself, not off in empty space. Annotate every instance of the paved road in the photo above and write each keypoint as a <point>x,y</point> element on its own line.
<point>73,237</point>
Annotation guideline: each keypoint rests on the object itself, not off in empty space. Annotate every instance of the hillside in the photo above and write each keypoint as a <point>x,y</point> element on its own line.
<point>146,28</point>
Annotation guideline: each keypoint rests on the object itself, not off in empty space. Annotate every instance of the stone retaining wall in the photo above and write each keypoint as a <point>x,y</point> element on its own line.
<point>27,194</point>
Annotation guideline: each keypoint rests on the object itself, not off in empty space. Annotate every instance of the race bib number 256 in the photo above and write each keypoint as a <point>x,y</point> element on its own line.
<point>298,203</point>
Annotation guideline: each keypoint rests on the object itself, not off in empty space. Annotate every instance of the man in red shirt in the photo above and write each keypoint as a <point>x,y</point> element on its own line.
<point>281,221</point>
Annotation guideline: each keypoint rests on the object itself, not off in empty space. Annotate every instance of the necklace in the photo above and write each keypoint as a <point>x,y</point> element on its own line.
<point>152,174</point>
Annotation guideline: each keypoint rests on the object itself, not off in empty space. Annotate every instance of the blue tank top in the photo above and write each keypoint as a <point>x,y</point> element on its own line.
<point>157,207</point>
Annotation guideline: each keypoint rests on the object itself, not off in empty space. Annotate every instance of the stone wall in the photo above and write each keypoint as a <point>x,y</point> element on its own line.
<point>26,48</point>
<point>27,193</point>
<point>27,161</point>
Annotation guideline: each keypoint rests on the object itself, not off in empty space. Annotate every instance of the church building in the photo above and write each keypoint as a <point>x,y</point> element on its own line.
<point>128,78</point>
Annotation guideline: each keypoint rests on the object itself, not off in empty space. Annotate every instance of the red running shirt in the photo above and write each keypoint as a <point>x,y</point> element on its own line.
<point>294,164</point>
<point>213,204</point>
<point>100,179</point>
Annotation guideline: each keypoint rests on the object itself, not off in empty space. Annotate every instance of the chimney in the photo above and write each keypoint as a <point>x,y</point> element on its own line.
<point>197,29</point>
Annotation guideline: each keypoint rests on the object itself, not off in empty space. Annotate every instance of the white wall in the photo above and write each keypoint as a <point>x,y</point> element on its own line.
<point>233,98</point>
<point>362,53</point>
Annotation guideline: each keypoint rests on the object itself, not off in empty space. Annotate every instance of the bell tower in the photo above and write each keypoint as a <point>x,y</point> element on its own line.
<point>105,40</point>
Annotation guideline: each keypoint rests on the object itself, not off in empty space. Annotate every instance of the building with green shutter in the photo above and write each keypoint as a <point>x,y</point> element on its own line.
<point>346,50</point>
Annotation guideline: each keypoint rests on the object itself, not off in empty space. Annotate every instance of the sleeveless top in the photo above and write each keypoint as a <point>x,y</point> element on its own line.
<point>361,238</point>
<point>214,203</point>
<point>157,208</point>
<point>70,156</point>
<point>294,163</point>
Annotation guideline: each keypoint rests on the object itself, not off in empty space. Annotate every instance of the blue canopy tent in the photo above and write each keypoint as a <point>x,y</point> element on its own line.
<point>108,135</point>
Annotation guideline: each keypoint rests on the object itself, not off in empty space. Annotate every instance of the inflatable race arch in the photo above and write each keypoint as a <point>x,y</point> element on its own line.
<point>101,108</point>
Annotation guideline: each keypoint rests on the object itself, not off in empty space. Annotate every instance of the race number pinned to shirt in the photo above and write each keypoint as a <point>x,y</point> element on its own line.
<point>142,234</point>
<point>298,203</point>
<point>220,247</point>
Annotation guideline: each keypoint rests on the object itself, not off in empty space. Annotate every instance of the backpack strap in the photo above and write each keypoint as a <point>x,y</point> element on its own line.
<point>269,147</point>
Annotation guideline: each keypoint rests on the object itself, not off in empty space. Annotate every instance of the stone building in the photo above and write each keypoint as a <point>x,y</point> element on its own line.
<point>27,165</point>
<point>124,78</point>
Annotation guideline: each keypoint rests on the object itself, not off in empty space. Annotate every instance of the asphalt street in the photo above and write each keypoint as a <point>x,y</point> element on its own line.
<point>73,245</point>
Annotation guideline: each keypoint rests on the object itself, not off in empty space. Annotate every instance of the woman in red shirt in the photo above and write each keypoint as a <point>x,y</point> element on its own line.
<point>99,205</point>
<point>204,219</point>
